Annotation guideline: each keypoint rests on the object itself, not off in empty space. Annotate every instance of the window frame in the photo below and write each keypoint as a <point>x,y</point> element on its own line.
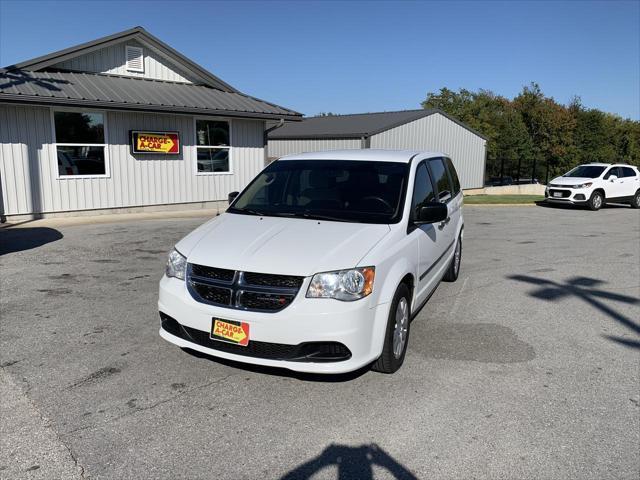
<point>105,145</point>
<point>230,148</point>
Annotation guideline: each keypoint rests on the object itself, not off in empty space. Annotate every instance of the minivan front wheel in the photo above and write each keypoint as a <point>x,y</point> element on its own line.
<point>596,201</point>
<point>635,201</point>
<point>396,336</point>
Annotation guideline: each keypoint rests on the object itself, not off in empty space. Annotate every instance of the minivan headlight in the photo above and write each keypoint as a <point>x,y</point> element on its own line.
<point>346,285</point>
<point>582,185</point>
<point>176,265</point>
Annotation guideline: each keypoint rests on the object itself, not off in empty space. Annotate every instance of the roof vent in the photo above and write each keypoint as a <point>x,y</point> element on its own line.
<point>135,59</point>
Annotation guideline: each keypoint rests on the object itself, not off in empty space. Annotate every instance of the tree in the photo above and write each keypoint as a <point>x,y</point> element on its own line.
<point>535,134</point>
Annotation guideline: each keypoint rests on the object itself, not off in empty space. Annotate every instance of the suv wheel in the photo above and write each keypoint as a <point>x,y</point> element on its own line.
<point>635,201</point>
<point>596,201</point>
<point>454,267</point>
<point>397,335</point>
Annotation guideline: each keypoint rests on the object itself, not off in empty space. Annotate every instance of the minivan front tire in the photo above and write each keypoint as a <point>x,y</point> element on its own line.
<point>396,337</point>
<point>635,201</point>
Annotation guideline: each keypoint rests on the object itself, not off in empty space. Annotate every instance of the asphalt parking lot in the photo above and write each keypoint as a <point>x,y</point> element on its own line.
<point>527,367</point>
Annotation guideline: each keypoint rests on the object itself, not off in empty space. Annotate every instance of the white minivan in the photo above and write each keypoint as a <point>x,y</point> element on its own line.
<point>319,264</point>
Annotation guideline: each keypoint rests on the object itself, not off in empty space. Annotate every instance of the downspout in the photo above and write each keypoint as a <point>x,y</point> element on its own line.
<point>265,139</point>
<point>365,141</point>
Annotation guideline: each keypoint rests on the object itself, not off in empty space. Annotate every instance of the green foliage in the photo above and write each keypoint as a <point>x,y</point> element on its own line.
<point>534,132</point>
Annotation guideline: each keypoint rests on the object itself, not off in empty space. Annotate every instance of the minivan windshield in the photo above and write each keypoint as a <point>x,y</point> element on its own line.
<point>336,190</point>
<point>586,171</point>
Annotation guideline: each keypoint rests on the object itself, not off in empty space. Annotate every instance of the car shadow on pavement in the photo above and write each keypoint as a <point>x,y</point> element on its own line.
<point>351,463</point>
<point>586,289</point>
<point>282,372</point>
<point>544,203</point>
<point>19,239</point>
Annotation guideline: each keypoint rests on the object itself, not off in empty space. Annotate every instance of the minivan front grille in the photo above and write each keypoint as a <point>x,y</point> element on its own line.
<point>265,279</point>
<point>262,292</point>
<point>213,273</point>
<point>211,294</point>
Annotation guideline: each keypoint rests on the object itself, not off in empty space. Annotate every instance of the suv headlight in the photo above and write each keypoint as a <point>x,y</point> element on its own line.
<point>176,265</point>
<point>346,285</point>
<point>582,185</point>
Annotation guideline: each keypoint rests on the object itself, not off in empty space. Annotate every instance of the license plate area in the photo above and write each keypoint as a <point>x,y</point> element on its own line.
<point>557,194</point>
<point>230,331</point>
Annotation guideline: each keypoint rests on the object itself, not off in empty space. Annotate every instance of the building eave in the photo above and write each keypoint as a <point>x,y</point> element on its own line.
<point>166,109</point>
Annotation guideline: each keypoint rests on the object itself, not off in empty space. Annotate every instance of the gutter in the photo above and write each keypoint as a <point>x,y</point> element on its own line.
<point>265,139</point>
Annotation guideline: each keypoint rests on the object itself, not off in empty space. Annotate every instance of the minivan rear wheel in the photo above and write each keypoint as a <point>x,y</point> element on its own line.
<point>452,272</point>
<point>396,336</point>
<point>596,201</point>
<point>635,201</point>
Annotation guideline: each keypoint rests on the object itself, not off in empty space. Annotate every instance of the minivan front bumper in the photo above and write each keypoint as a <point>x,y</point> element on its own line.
<point>309,335</point>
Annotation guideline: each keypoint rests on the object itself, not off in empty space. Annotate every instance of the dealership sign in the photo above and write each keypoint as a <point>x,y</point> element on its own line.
<point>155,142</point>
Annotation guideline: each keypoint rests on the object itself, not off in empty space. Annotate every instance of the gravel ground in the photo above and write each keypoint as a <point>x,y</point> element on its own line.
<point>527,367</point>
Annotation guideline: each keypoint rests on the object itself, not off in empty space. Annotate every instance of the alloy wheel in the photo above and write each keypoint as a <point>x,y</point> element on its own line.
<point>401,327</point>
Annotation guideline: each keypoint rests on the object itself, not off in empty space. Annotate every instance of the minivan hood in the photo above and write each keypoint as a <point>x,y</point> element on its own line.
<point>287,246</point>
<point>570,180</point>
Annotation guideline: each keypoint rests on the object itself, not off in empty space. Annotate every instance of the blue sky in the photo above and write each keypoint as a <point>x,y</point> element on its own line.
<point>347,57</point>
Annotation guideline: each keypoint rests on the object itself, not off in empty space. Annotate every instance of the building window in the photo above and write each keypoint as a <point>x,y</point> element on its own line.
<point>80,143</point>
<point>213,146</point>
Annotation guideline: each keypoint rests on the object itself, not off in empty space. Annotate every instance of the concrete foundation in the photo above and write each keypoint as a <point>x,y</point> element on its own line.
<point>219,206</point>
<point>528,189</point>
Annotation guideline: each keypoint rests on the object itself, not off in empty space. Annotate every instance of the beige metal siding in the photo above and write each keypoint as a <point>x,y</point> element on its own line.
<point>112,60</point>
<point>280,148</point>
<point>28,165</point>
<point>437,133</point>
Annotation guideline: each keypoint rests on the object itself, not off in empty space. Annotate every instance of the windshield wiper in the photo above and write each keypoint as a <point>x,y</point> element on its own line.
<point>314,216</point>
<point>246,211</point>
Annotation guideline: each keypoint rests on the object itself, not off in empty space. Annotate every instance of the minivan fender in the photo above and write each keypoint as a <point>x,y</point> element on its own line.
<point>398,271</point>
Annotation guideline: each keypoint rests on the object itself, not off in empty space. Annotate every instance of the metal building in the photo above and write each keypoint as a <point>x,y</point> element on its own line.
<point>124,122</point>
<point>405,130</point>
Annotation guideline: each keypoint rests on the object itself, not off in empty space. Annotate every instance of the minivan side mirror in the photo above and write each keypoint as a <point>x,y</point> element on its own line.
<point>232,196</point>
<point>432,212</point>
<point>612,178</point>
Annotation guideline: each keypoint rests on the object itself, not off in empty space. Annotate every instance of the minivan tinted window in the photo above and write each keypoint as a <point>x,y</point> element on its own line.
<point>441,179</point>
<point>454,176</point>
<point>422,190</point>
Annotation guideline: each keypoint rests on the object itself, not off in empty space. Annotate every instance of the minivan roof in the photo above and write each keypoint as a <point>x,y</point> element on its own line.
<point>365,154</point>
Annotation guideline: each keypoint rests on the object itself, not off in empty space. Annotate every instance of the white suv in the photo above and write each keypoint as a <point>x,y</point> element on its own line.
<point>320,263</point>
<point>594,184</point>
